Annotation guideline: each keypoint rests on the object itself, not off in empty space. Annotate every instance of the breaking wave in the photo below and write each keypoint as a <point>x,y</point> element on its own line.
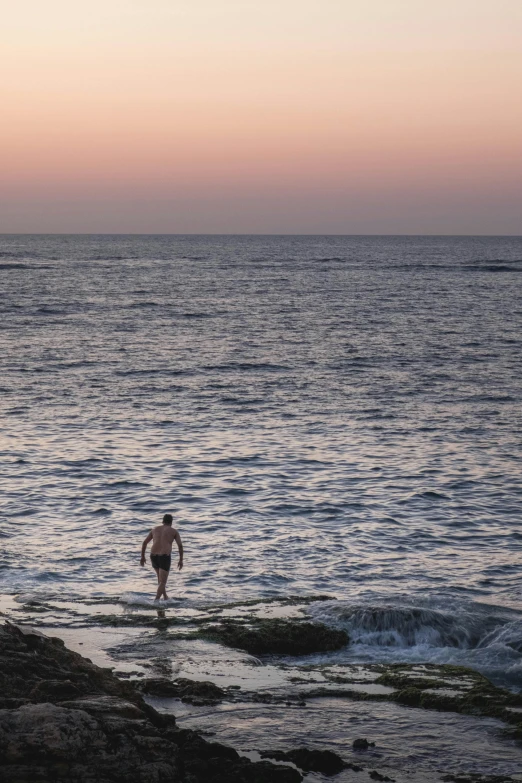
<point>409,626</point>
<point>484,637</point>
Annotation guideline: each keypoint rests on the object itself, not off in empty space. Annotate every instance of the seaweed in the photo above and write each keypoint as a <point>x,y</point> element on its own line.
<point>275,637</point>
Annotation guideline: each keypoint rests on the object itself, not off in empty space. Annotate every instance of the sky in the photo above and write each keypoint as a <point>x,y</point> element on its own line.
<point>261,116</point>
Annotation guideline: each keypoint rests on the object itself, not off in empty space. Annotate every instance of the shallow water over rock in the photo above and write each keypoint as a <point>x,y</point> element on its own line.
<point>408,742</point>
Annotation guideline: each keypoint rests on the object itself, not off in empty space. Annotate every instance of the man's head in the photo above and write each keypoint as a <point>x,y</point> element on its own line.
<point>167,519</point>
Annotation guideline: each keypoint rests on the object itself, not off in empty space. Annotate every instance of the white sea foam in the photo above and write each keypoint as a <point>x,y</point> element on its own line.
<point>457,631</point>
<point>146,600</point>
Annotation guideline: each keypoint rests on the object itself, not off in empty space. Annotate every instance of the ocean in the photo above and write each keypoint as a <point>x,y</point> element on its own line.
<point>323,416</point>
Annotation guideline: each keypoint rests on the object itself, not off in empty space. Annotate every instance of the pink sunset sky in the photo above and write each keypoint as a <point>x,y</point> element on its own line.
<point>261,116</point>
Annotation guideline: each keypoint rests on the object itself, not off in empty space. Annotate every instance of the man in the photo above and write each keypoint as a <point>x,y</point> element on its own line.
<point>162,537</point>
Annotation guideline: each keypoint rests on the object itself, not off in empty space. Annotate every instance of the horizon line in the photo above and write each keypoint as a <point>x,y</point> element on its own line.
<point>236,234</point>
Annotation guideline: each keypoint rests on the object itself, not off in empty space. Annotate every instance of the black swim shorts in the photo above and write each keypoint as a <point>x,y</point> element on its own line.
<point>160,561</point>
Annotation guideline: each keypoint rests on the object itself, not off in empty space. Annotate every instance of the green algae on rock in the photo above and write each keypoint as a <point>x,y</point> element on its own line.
<point>430,686</point>
<point>451,689</point>
<point>276,637</point>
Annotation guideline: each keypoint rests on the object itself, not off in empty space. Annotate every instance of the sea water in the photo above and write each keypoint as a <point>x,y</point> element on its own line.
<point>335,416</point>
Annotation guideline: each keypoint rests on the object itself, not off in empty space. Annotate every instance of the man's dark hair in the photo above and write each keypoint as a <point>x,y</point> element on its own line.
<point>167,519</point>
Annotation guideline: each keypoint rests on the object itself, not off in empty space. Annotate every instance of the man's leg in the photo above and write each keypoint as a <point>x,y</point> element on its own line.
<point>158,575</point>
<point>162,583</point>
<point>164,575</point>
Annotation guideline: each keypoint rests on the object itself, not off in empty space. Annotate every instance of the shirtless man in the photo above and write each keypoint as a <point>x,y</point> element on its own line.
<point>162,537</point>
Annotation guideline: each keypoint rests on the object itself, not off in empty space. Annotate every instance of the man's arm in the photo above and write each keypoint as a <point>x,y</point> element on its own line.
<point>177,539</point>
<point>144,547</point>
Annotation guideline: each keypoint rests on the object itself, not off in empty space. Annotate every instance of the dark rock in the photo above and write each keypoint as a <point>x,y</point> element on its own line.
<point>409,696</point>
<point>278,637</point>
<point>216,763</point>
<point>158,686</point>
<point>362,744</point>
<point>43,736</point>
<point>44,732</point>
<point>262,698</point>
<point>106,732</point>
<point>469,692</point>
<point>325,761</point>
<point>242,771</point>
<point>50,690</point>
<point>189,691</point>
<point>103,705</point>
<point>193,744</point>
<point>40,668</point>
<point>264,772</point>
<point>514,732</point>
<point>377,776</point>
<point>460,777</point>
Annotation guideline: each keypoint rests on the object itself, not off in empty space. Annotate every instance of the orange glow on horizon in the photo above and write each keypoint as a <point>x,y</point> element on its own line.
<point>379,98</point>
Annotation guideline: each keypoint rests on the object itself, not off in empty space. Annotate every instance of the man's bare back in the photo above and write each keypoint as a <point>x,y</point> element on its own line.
<point>162,538</point>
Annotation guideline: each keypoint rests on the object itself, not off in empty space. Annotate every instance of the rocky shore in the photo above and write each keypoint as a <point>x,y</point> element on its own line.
<point>63,718</point>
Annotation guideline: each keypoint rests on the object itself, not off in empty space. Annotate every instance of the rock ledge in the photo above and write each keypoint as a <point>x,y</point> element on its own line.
<point>63,718</point>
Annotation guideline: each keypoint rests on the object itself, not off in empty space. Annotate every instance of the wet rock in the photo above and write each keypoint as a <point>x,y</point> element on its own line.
<point>262,698</point>
<point>102,705</point>
<point>194,745</point>
<point>158,686</point>
<point>205,760</point>
<point>264,772</point>
<point>189,691</point>
<point>450,689</point>
<point>513,732</point>
<point>441,687</point>
<point>277,637</point>
<point>47,742</point>
<point>128,675</point>
<point>242,771</point>
<point>113,714</point>
<point>378,776</point>
<point>477,778</point>
<point>362,744</point>
<point>409,696</point>
<point>324,761</point>
<point>50,690</point>
<point>43,732</point>
<point>106,733</point>
<point>39,668</point>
